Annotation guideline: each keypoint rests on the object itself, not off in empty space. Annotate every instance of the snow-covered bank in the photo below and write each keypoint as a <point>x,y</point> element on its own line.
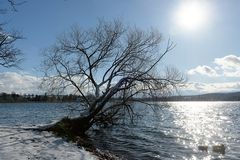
<point>20,144</point>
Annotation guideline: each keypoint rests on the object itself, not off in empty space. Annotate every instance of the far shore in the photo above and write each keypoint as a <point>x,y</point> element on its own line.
<point>211,97</point>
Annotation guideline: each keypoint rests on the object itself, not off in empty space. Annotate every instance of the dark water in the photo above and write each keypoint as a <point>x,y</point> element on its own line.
<point>33,114</point>
<point>171,132</point>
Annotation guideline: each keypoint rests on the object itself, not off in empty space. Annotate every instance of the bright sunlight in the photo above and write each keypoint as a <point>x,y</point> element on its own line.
<point>192,15</point>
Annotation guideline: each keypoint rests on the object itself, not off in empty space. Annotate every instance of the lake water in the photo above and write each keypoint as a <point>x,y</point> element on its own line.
<point>172,131</point>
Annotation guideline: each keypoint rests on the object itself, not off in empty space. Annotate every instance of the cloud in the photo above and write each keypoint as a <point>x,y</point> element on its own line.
<point>197,87</point>
<point>204,70</point>
<point>228,62</point>
<point>21,83</point>
<point>228,66</point>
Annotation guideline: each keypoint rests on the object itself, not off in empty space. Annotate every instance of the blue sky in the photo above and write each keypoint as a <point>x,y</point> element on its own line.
<point>208,53</point>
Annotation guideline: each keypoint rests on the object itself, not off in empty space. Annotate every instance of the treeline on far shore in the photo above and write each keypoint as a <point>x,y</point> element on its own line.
<point>15,98</point>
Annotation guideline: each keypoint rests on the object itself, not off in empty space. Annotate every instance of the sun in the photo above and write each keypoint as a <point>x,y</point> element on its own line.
<point>192,15</point>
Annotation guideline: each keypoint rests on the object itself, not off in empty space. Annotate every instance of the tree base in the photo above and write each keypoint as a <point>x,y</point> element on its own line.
<point>74,130</point>
<point>69,128</point>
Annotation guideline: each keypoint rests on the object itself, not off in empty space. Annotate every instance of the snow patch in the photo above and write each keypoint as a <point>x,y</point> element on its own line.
<point>20,144</point>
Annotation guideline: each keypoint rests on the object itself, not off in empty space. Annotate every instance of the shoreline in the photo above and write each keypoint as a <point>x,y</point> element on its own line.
<point>26,144</point>
<point>35,138</point>
<point>80,141</point>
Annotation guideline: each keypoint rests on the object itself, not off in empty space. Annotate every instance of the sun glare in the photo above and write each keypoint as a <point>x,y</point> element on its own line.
<point>192,15</point>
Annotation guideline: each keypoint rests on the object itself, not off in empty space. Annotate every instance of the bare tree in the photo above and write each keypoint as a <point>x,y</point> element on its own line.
<point>13,4</point>
<point>110,67</point>
<point>9,54</point>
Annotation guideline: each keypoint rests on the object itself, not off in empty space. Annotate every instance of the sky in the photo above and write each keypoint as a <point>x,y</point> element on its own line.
<point>206,34</point>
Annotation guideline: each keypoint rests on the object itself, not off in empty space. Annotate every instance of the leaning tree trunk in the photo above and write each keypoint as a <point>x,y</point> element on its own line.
<point>74,127</point>
<point>70,127</point>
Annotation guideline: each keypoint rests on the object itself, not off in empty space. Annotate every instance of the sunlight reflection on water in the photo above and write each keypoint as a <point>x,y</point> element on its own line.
<point>203,124</point>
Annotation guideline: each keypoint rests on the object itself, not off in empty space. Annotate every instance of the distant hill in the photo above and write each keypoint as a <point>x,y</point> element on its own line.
<point>234,96</point>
